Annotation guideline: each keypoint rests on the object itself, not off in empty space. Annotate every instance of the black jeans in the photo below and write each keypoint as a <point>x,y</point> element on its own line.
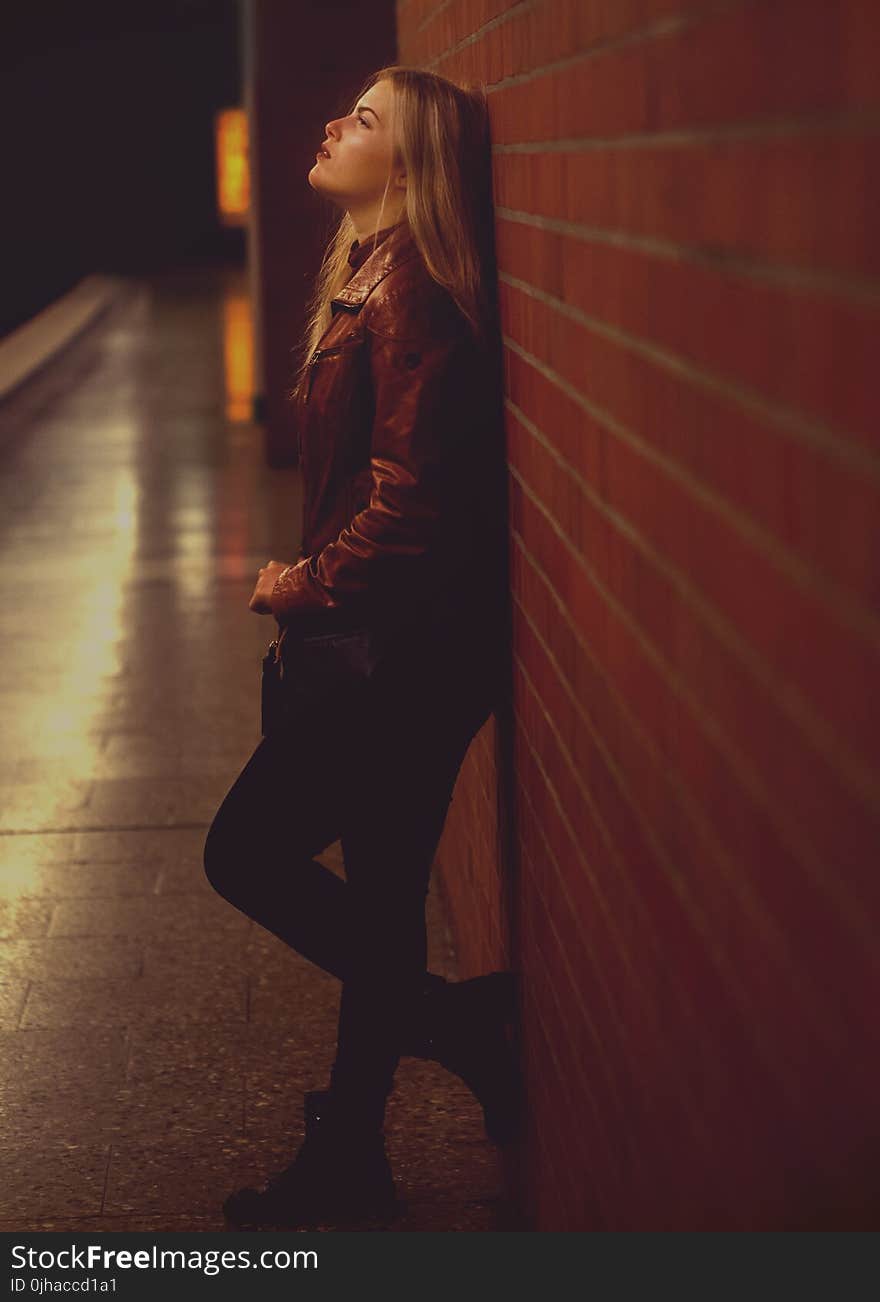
<point>370,759</point>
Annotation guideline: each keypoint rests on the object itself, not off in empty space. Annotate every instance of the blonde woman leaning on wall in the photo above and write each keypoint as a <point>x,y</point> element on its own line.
<point>392,633</point>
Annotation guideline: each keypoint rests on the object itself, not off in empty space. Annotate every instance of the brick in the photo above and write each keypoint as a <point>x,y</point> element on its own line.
<point>755,199</point>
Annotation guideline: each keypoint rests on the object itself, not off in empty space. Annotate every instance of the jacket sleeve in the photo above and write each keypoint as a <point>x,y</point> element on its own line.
<point>416,368</point>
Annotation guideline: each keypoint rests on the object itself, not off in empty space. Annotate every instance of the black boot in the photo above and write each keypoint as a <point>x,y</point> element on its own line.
<point>463,1026</point>
<point>340,1174</point>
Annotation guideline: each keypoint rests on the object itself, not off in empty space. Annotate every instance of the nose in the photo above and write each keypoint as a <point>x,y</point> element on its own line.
<point>332,129</point>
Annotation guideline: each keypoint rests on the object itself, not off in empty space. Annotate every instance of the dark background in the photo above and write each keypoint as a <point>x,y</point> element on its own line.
<point>109,149</point>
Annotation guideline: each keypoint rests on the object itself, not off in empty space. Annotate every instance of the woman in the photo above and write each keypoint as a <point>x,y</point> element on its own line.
<point>393,626</point>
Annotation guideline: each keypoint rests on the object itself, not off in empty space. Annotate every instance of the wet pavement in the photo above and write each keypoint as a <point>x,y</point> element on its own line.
<point>154,1043</point>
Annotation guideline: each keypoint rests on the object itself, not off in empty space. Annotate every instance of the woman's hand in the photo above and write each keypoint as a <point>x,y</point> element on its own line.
<point>259,601</point>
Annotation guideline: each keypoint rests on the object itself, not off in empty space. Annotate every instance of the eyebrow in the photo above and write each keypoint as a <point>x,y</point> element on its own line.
<point>365,108</point>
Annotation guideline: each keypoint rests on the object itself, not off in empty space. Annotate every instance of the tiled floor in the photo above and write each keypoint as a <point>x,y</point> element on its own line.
<point>154,1043</point>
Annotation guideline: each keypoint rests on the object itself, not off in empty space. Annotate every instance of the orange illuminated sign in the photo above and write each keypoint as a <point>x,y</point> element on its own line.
<point>233,175</point>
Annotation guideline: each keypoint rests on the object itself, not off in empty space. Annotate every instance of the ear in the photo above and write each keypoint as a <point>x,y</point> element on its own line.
<point>400,180</point>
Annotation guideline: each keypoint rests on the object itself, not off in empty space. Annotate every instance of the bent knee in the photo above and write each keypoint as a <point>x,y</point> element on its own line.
<point>219,863</point>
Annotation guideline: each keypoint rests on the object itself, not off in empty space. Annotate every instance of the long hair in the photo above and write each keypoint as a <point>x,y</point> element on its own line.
<point>442,139</point>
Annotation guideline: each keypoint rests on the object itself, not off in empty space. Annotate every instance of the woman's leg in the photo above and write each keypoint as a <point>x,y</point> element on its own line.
<point>282,810</point>
<point>383,781</point>
<point>376,767</point>
<point>391,829</point>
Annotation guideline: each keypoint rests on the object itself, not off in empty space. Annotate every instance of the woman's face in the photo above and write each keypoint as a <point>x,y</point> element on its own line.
<point>361,152</point>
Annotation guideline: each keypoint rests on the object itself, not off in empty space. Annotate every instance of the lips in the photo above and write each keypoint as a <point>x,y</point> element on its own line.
<point>323,153</point>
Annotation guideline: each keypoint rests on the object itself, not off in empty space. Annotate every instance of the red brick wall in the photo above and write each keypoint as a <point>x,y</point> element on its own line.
<point>689,278</point>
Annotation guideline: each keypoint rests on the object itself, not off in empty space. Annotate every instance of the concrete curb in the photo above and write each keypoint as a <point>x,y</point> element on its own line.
<point>25,349</point>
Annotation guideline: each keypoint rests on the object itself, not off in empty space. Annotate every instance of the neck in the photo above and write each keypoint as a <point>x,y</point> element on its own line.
<point>364,219</point>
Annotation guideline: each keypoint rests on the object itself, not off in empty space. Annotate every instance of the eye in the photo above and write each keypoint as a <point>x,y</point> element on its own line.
<point>363,120</point>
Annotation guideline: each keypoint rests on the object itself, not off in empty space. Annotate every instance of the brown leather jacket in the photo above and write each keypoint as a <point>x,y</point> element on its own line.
<point>401,451</point>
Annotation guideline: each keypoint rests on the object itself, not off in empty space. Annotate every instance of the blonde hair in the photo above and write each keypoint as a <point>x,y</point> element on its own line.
<point>441,133</point>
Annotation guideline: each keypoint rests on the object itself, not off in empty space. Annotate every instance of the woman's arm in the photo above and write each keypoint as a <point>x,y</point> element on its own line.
<point>418,360</point>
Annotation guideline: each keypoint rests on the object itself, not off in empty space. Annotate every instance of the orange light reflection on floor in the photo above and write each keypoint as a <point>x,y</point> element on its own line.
<point>238,357</point>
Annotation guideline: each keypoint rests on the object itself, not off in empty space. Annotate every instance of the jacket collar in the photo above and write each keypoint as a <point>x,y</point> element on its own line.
<point>396,248</point>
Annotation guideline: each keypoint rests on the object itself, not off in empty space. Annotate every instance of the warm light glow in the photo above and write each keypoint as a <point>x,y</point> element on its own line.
<point>192,564</point>
<point>60,726</point>
<point>233,175</point>
<point>238,356</point>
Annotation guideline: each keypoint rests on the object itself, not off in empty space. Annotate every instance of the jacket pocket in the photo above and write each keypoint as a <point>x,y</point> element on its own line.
<point>334,350</point>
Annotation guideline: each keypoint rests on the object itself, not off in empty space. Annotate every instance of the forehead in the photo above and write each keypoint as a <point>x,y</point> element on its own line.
<point>379,97</point>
